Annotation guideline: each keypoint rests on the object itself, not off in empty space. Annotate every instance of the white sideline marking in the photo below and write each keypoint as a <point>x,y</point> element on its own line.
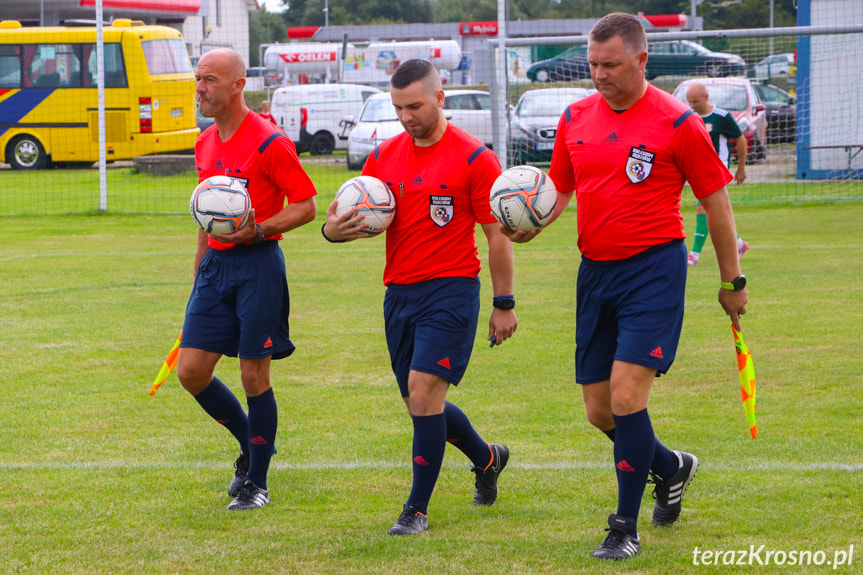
<point>563,466</point>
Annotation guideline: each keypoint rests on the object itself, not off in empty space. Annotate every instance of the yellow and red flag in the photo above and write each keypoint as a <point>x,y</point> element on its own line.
<point>168,366</point>
<point>747,380</point>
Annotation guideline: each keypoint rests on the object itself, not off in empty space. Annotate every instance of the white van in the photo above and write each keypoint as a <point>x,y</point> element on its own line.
<point>310,113</point>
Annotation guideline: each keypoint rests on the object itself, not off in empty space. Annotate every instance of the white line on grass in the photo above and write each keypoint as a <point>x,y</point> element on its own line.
<point>560,466</point>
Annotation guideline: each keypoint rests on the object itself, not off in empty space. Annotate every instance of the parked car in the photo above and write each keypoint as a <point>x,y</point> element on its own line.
<point>470,110</point>
<point>677,58</point>
<point>255,78</point>
<point>781,113</point>
<point>775,65</point>
<point>571,64</point>
<point>203,121</point>
<point>738,96</point>
<point>533,125</point>
<point>376,122</point>
<point>685,58</point>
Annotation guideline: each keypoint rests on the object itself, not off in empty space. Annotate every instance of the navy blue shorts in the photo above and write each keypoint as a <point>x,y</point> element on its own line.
<point>240,303</point>
<point>431,327</point>
<point>629,310</point>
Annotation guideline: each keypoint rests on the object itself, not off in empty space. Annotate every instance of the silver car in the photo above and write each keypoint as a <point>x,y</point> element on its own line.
<point>377,122</point>
<point>470,110</point>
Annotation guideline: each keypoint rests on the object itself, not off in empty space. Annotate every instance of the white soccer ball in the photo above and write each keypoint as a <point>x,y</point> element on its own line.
<point>220,205</point>
<point>523,198</point>
<point>373,198</point>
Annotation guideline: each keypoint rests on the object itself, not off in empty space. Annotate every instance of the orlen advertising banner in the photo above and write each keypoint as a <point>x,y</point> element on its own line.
<point>303,57</point>
<point>370,65</point>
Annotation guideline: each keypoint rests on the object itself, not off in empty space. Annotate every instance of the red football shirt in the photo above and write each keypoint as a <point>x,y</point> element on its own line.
<point>628,170</point>
<point>441,194</point>
<point>263,159</point>
<point>268,117</point>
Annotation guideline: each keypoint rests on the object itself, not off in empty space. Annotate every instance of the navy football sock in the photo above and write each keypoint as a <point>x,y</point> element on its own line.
<point>263,422</point>
<point>634,443</point>
<point>222,405</point>
<point>665,463</point>
<point>610,433</point>
<point>461,433</point>
<point>428,448</point>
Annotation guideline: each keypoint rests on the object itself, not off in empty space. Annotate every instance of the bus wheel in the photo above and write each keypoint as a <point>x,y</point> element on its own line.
<point>26,153</point>
<point>322,144</point>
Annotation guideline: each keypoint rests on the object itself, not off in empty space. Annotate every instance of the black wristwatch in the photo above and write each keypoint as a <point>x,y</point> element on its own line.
<point>737,284</point>
<point>259,238</point>
<point>504,302</point>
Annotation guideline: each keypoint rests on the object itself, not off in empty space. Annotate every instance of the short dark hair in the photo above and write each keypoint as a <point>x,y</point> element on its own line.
<point>411,71</point>
<point>626,26</point>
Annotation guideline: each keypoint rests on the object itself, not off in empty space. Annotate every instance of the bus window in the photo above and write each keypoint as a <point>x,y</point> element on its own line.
<point>51,66</point>
<point>166,56</point>
<point>115,72</point>
<point>10,67</point>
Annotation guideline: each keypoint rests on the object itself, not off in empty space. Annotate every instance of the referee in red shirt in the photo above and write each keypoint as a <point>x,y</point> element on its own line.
<point>240,304</point>
<point>626,152</point>
<point>441,177</point>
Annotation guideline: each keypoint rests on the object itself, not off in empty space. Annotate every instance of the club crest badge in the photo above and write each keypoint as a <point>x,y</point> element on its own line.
<point>441,209</point>
<point>639,164</point>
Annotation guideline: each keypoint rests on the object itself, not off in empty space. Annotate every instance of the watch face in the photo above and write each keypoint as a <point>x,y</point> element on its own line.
<point>739,283</point>
<point>505,304</point>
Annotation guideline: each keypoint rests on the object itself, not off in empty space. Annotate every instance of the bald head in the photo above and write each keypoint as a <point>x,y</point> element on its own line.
<point>699,99</point>
<point>221,77</point>
<point>226,62</point>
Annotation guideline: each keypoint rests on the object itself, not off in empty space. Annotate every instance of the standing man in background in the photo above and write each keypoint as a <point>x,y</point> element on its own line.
<point>722,129</point>
<point>265,112</point>
<point>240,304</point>
<point>441,177</point>
<point>626,152</point>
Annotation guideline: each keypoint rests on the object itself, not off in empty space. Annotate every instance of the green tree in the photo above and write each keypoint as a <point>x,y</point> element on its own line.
<point>264,28</point>
<point>348,12</point>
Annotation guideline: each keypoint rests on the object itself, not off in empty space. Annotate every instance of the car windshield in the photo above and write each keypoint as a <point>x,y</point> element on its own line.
<point>726,96</point>
<point>773,95</point>
<point>574,52</point>
<point>379,110</point>
<point>546,105</point>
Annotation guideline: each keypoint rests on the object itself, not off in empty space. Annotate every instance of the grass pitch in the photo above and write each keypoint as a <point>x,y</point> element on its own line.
<point>97,477</point>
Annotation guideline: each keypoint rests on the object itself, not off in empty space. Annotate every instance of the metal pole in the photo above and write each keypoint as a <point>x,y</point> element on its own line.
<point>499,95</point>
<point>100,73</point>
<point>771,25</point>
<point>326,12</point>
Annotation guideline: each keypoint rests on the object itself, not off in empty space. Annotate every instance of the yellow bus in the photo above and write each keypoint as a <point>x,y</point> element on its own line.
<point>49,107</point>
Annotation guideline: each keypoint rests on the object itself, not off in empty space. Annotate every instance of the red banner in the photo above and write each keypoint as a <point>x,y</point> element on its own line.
<point>477,28</point>
<point>297,32</point>
<point>180,6</point>
<point>309,57</point>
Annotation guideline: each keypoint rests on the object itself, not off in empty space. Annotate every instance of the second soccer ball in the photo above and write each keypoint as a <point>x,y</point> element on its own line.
<point>523,198</point>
